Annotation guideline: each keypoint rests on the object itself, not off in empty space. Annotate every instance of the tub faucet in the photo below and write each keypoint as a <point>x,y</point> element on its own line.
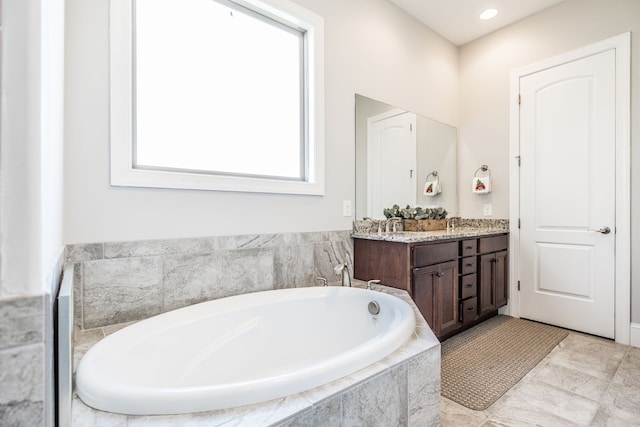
<point>343,270</point>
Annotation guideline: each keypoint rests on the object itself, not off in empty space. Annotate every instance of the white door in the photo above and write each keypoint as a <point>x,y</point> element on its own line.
<point>391,163</point>
<point>568,195</point>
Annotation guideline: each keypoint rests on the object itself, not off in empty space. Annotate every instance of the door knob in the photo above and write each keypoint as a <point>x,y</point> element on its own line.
<point>603,230</point>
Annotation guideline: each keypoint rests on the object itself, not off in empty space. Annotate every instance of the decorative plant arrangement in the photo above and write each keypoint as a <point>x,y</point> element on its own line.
<point>415,213</point>
<point>419,219</point>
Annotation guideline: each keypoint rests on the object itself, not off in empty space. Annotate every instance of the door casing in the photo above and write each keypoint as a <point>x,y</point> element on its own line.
<point>622,46</point>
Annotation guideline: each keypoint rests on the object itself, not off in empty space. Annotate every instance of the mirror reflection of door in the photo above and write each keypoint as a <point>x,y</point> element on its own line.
<point>436,150</point>
<point>391,152</point>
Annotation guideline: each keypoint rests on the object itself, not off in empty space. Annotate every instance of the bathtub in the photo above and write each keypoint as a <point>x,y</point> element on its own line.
<point>241,350</point>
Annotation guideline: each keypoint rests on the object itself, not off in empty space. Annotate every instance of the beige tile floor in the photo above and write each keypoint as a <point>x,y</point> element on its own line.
<point>583,381</point>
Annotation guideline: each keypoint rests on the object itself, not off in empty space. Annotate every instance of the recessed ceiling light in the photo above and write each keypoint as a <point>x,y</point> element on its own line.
<point>488,14</point>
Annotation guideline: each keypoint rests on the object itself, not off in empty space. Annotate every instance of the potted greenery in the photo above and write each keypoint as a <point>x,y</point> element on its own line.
<point>419,219</point>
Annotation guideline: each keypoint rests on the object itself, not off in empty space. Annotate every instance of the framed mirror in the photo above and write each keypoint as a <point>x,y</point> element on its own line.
<point>397,153</point>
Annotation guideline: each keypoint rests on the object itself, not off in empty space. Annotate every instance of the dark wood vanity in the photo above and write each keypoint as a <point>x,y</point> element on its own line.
<point>455,282</point>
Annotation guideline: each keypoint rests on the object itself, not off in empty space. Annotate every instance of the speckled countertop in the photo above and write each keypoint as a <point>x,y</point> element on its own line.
<point>428,236</point>
<point>459,228</point>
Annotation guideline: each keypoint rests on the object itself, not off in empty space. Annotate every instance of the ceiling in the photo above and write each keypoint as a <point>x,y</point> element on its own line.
<point>458,20</point>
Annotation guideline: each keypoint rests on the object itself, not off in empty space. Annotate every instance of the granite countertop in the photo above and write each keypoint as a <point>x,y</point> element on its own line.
<point>428,236</point>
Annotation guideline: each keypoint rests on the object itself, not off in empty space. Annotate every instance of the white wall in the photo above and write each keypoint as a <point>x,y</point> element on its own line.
<point>485,65</point>
<point>371,48</point>
<point>31,145</point>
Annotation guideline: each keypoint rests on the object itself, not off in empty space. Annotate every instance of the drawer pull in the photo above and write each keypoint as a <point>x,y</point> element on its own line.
<point>468,265</point>
<point>468,247</point>
<point>438,274</point>
<point>469,285</point>
<point>470,309</point>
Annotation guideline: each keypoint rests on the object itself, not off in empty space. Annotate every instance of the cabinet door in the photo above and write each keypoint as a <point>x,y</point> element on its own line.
<point>436,295</point>
<point>501,278</point>
<point>446,298</point>
<point>423,287</point>
<point>486,291</point>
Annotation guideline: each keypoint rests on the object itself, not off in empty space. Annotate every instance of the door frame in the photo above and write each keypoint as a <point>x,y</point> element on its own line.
<point>622,305</point>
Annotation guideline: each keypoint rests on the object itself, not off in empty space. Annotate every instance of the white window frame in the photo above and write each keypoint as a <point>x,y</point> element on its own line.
<point>123,172</point>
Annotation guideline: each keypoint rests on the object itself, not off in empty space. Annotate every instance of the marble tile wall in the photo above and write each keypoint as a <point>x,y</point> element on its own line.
<point>118,282</point>
<point>23,384</point>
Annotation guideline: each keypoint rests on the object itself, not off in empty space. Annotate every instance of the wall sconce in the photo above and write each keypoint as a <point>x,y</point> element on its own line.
<point>481,184</point>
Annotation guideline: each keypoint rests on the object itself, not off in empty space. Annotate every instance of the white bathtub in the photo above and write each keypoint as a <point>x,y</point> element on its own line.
<point>241,350</point>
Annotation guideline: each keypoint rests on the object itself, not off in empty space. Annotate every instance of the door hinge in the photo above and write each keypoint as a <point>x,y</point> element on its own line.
<point>519,99</point>
<point>518,284</point>
<point>410,127</point>
<point>518,159</point>
<point>518,223</point>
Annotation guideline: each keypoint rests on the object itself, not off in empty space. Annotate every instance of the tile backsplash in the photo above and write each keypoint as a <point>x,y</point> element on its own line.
<point>119,282</point>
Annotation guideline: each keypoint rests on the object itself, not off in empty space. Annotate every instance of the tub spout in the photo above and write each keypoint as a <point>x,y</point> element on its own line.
<point>343,270</point>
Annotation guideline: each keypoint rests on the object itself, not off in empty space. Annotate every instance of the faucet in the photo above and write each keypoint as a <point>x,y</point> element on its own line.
<point>370,282</point>
<point>343,270</point>
<point>393,221</point>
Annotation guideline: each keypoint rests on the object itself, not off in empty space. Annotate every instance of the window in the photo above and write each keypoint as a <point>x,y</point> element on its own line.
<point>217,95</point>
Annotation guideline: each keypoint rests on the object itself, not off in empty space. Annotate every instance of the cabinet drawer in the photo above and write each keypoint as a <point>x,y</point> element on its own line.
<point>468,265</point>
<point>469,247</point>
<point>469,310</point>
<point>493,244</point>
<point>468,286</point>
<point>434,254</point>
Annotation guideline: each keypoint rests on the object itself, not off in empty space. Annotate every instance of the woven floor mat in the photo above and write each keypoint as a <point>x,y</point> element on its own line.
<point>484,362</point>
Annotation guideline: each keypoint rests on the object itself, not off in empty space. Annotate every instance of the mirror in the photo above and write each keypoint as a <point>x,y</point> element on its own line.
<point>396,151</point>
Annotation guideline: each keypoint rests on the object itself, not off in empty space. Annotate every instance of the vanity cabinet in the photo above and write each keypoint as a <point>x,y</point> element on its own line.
<point>455,283</point>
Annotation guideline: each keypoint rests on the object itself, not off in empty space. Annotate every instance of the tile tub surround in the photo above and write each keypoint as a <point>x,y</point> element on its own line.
<point>401,389</point>
<point>26,356</point>
<point>119,282</point>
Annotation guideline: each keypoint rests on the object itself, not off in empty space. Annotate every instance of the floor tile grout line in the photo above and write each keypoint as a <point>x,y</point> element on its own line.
<point>600,401</point>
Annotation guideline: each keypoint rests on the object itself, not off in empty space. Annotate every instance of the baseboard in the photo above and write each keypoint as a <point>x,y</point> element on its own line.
<point>634,333</point>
